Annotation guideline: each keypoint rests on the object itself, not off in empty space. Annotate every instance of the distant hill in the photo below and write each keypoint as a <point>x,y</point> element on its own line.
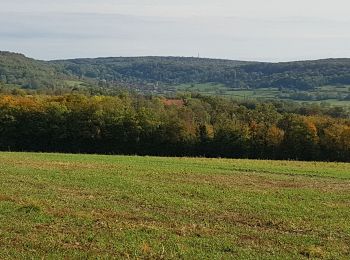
<point>28,73</point>
<point>145,72</point>
<point>157,71</point>
<point>297,75</point>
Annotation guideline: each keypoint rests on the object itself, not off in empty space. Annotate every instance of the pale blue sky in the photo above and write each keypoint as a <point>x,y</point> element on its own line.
<point>270,30</point>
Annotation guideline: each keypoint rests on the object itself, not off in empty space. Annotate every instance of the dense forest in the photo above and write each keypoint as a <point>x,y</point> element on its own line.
<point>147,74</point>
<point>290,75</point>
<point>186,126</point>
<point>16,69</point>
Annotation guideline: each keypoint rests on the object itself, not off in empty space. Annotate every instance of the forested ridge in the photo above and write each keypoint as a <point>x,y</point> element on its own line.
<point>145,73</point>
<point>189,126</point>
<point>82,105</point>
<point>16,69</point>
<point>290,75</point>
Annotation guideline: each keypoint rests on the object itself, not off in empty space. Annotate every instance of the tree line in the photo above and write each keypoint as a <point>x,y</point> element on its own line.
<point>187,126</point>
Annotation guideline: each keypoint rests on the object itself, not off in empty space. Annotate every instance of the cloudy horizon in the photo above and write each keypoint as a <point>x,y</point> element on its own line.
<point>240,30</point>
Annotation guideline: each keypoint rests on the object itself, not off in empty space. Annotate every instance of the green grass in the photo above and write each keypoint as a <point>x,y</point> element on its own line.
<point>204,88</point>
<point>89,206</point>
<point>264,93</point>
<point>73,83</point>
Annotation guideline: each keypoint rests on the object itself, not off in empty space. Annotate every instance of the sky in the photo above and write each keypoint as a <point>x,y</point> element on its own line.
<point>269,30</point>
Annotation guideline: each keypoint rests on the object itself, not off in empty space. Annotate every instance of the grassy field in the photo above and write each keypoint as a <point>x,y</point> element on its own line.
<point>73,83</point>
<point>265,93</point>
<point>90,206</point>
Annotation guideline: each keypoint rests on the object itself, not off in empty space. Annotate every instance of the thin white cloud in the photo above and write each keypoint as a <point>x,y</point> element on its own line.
<point>246,8</point>
<point>237,29</point>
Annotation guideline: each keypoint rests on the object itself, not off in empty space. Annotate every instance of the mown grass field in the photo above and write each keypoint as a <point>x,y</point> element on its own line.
<point>90,206</point>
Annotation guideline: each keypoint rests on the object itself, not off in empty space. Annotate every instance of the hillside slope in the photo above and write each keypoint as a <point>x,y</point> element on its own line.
<point>235,74</point>
<point>159,72</point>
<point>26,72</point>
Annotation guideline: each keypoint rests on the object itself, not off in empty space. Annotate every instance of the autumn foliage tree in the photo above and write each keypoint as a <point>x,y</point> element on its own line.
<point>188,126</point>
